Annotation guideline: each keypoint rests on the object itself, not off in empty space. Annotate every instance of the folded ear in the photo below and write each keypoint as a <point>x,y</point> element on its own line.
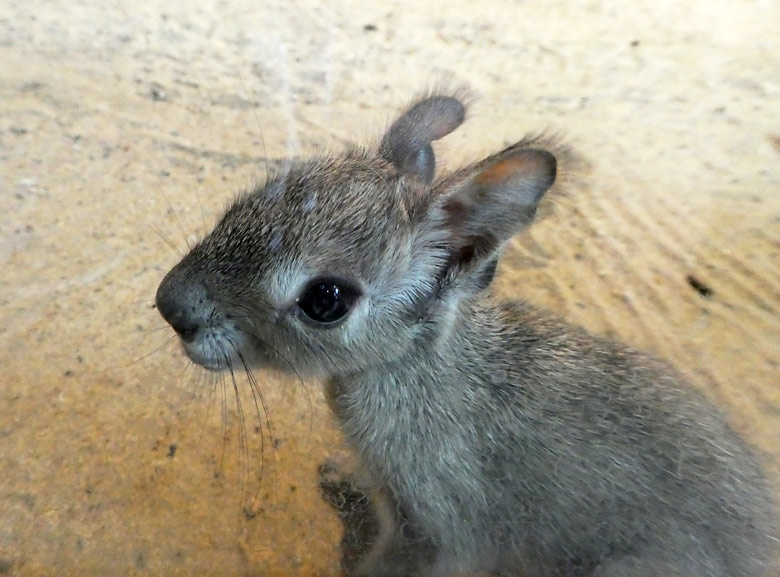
<point>407,143</point>
<point>486,204</point>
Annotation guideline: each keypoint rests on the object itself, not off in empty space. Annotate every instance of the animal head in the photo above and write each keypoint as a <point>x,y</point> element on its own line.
<point>337,263</point>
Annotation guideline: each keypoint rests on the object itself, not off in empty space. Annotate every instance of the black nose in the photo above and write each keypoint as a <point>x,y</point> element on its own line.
<point>183,303</point>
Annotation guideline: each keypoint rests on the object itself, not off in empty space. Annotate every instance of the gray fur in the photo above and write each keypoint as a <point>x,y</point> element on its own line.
<point>491,437</point>
<point>407,143</point>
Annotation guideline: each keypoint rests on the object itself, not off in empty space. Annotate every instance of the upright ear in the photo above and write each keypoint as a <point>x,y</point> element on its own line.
<point>407,143</point>
<point>486,204</point>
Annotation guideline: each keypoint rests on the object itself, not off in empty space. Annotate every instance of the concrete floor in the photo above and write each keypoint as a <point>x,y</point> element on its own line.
<point>126,128</point>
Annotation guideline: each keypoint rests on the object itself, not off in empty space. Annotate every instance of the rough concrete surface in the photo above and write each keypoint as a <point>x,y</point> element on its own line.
<point>126,127</point>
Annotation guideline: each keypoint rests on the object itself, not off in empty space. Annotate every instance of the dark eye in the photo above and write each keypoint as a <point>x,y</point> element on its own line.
<point>327,301</point>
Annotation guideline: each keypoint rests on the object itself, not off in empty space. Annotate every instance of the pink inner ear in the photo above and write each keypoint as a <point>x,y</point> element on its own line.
<point>509,168</point>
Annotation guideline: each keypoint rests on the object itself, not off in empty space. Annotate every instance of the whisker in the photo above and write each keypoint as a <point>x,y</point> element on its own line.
<point>258,394</point>
<point>202,212</point>
<point>141,360</point>
<point>224,409</point>
<point>172,211</point>
<point>259,127</point>
<point>211,387</point>
<point>249,315</point>
<point>243,445</point>
<point>164,237</point>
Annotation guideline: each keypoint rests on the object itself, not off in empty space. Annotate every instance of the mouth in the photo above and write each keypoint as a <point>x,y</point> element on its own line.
<point>214,358</point>
<point>214,367</point>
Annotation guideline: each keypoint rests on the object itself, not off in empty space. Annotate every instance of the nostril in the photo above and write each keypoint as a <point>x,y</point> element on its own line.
<point>186,332</point>
<point>180,302</point>
<point>185,325</point>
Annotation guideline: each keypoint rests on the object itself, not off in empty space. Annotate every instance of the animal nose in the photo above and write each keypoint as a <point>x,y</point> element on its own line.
<point>183,304</point>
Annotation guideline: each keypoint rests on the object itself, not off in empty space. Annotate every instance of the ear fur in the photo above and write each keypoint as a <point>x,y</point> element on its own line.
<point>484,205</point>
<point>407,143</point>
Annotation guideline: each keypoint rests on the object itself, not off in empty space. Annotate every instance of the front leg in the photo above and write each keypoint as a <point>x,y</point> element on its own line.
<point>379,540</point>
<point>353,506</point>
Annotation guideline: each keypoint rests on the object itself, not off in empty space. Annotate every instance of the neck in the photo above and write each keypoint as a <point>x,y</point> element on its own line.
<point>414,414</point>
<point>438,360</point>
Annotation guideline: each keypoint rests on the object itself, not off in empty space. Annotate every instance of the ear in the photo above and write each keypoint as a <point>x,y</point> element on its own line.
<point>486,204</point>
<point>407,143</point>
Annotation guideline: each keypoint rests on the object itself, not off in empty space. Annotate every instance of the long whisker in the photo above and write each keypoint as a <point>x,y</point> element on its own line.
<point>170,337</point>
<point>202,212</point>
<point>290,365</point>
<point>196,377</point>
<point>243,446</point>
<point>257,394</point>
<point>164,237</point>
<point>259,128</point>
<point>211,388</point>
<point>172,211</point>
<point>224,410</point>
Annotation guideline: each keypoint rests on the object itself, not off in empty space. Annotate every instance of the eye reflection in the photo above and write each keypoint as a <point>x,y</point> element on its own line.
<point>327,301</point>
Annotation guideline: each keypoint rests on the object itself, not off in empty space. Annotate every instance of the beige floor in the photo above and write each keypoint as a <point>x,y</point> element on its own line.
<point>126,127</point>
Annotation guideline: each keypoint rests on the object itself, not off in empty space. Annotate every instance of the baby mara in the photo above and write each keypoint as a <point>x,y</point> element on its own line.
<point>491,437</point>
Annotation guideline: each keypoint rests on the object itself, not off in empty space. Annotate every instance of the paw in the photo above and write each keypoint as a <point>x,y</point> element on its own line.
<point>339,489</point>
<point>351,500</point>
